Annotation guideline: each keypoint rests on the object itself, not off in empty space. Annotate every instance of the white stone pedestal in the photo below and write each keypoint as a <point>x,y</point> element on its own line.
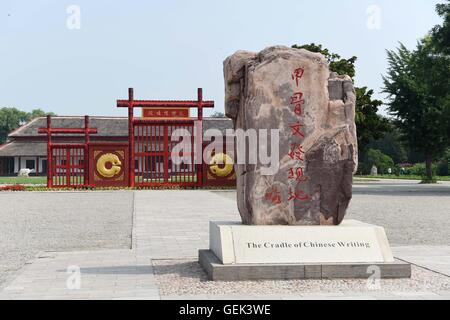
<point>240,252</point>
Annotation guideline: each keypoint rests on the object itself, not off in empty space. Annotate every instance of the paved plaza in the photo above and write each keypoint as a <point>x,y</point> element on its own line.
<point>61,221</point>
<point>144,244</point>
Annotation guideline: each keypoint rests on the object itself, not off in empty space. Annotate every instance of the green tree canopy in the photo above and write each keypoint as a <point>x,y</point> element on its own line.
<point>418,86</point>
<point>337,63</point>
<point>443,167</point>
<point>441,33</point>
<point>369,124</point>
<point>12,118</point>
<point>391,144</point>
<point>377,158</point>
<point>440,41</point>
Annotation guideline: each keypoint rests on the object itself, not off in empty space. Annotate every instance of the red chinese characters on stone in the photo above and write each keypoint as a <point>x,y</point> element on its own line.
<point>298,195</point>
<point>297,75</point>
<point>273,195</point>
<point>296,130</point>
<point>297,174</point>
<point>297,101</point>
<point>296,152</point>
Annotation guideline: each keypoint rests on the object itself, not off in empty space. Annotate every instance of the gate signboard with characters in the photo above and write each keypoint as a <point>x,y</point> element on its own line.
<point>108,164</point>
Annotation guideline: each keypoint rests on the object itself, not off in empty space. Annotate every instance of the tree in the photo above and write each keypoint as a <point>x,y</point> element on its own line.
<point>12,118</point>
<point>38,113</point>
<point>369,124</point>
<point>440,41</point>
<point>337,63</point>
<point>391,144</point>
<point>443,167</point>
<point>418,88</point>
<point>379,159</point>
<point>446,115</point>
<point>441,33</point>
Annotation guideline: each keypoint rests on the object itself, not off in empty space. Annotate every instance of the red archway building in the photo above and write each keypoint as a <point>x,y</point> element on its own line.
<point>150,146</point>
<point>148,158</point>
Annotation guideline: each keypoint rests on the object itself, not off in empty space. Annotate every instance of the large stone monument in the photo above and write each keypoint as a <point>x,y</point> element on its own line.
<point>292,214</point>
<point>293,90</point>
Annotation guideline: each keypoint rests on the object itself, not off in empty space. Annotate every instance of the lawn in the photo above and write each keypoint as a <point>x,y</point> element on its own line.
<point>359,178</point>
<point>61,180</point>
<point>402,177</point>
<point>23,180</point>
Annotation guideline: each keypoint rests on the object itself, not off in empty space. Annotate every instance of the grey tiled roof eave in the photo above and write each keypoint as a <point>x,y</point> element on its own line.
<point>106,126</point>
<point>23,141</point>
<point>23,149</point>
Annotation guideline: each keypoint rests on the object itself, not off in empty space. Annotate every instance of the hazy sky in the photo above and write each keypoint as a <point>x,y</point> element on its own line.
<point>166,49</point>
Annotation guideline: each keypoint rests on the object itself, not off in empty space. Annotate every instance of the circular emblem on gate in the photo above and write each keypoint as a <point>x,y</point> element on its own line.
<point>221,165</point>
<point>109,165</point>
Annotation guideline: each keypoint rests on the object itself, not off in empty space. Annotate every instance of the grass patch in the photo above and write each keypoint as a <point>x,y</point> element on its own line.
<point>23,180</point>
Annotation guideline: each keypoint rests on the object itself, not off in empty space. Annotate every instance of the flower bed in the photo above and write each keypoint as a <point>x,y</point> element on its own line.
<point>16,187</point>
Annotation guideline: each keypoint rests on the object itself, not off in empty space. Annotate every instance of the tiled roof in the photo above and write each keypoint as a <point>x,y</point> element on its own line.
<point>106,126</point>
<point>23,149</point>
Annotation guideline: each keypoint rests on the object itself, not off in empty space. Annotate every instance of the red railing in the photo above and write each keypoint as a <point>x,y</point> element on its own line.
<point>153,159</point>
<point>67,164</point>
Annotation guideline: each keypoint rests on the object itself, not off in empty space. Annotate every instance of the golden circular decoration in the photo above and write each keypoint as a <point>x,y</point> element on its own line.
<point>114,167</point>
<point>221,159</point>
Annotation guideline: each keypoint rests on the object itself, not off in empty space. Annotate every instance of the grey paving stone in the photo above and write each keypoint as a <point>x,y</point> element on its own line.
<point>128,274</point>
<point>436,258</point>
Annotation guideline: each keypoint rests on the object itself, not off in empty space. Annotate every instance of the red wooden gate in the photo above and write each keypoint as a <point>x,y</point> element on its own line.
<point>67,168</point>
<point>150,142</point>
<point>153,159</point>
<point>67,164</point>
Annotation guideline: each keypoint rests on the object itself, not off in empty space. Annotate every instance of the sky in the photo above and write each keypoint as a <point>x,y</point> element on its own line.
<point>78,57</point>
